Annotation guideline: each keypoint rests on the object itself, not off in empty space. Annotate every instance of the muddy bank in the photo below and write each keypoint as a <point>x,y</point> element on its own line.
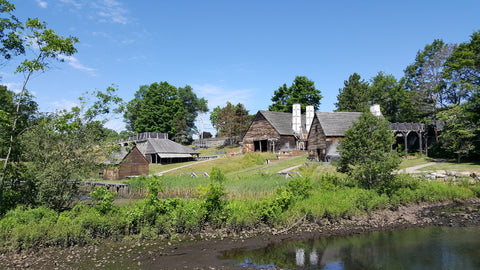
<point>186,252</point>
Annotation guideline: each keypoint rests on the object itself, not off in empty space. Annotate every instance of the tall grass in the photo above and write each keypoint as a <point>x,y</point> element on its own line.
<point>249,202</point>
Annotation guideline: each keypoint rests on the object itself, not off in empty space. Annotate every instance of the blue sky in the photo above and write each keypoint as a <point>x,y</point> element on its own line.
<point>237,51</point>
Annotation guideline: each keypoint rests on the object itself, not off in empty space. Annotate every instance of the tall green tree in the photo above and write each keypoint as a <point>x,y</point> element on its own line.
<point>462,71</point>
<point>11,41</point>
<point>192,105</point>
<point>161,107</point>
<point>44,46</point>
<point>232,120</point>
<point>459,133</point>
<point>424,80</point>
<point>354,96</point>
<point>66,147</point>
<point>366,153</point>
<point>386,91</point>
<point>302,91</point>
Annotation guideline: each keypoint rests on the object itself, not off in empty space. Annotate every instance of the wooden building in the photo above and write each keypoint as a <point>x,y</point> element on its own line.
<point>125,163</point>
<point>157,148</point>
<point>271,132</point>
<point>327,129</point>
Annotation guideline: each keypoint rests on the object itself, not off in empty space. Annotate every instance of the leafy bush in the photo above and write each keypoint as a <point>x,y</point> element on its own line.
<point>104,199</point>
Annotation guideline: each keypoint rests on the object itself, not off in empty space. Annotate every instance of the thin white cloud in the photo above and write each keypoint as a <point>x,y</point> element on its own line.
<point>63,105</point>
<point>116,124</point>
<point>74,3</point>
<point>41,3</point>
<point>73,62</point>
<point>103,11</point>
<point>13,86</point>
<point>111,10</point>
<point>219,96</point>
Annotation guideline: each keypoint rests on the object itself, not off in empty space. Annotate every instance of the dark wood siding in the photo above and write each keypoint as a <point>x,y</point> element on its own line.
<point>316,141</point>
<point>260,130</point>
<point>133,164</point>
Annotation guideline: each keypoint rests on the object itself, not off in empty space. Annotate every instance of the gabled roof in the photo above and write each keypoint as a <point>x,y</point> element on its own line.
<point>117,156</point>
<point>281,121</point>
<point>335,124</point>
<point>165,146</point>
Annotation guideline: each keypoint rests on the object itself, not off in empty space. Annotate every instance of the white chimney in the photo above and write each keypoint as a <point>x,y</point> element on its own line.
<point>309,117</point>
<point>297,118</point>
<point>375,110</point>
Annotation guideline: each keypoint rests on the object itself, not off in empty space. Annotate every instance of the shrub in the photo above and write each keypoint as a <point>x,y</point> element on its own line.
<point>104,199</point>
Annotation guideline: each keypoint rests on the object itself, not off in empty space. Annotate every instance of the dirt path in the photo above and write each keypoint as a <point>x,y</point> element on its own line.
<point>415,169</point>
<point>289,169</point>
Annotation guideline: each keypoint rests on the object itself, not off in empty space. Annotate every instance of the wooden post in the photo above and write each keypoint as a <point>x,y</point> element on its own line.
<point>421,143</point>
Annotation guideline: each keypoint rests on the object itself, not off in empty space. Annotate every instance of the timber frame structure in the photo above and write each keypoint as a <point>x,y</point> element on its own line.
<point>404,129</point>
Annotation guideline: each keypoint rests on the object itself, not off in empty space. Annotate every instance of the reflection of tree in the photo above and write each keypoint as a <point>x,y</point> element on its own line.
<point>432,248</point>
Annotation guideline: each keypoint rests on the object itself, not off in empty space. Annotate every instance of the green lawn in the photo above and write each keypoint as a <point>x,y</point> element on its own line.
<point>453,166</point>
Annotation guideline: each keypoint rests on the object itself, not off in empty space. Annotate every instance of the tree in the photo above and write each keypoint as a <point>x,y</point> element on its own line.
<point>366,153</point>
<point>10,38</point>
<point>65,148</point>
<point>214,117</point>
<point>45,46</point>
<point>161,107</point>
<point>232,120</point>
<point>423,79</point>
<point>462,71</point>
<point>354,96</point>
<point>192,105</point>
<point>458,134</point>
<point>390,95</point>
<point>302,91</point>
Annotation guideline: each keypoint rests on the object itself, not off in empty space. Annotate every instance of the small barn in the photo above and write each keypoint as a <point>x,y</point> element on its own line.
<point>271,132</point>
<point>158,149</point>
<point>327,129</point>
<point>125,162</point>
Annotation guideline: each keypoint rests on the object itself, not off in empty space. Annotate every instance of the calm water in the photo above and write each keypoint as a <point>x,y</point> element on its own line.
<point>421,248</point>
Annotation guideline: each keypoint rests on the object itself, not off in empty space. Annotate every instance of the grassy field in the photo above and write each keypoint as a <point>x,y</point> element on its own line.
<point>453,166</point>
<point>242,193</point>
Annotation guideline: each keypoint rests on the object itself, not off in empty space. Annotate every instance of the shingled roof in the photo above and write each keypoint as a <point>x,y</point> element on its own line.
<point>165,148</point>
<point>281,121</point>
<point>335,124</point>
<point>117,156</point>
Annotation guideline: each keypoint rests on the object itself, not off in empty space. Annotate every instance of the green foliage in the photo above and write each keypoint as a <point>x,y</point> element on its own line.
<point>217,175</point>
<point>231,120</point>
<point>104,199</point>
<point>214,202</point>
<point>64,149</point>
<point>302,91</point>
<point>366,153</point>
<point>161,107</point>
<point>273,207</point>
<point>390,95</point>
<point>459,133</point>
<point>423,80</point>
<point>353,97</point>
<point>10,38</point>
<point>154,187</point>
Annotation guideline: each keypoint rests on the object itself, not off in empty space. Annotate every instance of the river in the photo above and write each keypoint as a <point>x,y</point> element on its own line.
<point>418,248</point>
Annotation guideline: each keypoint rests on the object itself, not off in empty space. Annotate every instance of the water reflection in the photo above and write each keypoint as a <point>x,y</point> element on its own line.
<point>423,248</point>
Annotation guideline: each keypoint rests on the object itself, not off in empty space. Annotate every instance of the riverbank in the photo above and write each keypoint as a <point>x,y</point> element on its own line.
<point>201,251</point>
